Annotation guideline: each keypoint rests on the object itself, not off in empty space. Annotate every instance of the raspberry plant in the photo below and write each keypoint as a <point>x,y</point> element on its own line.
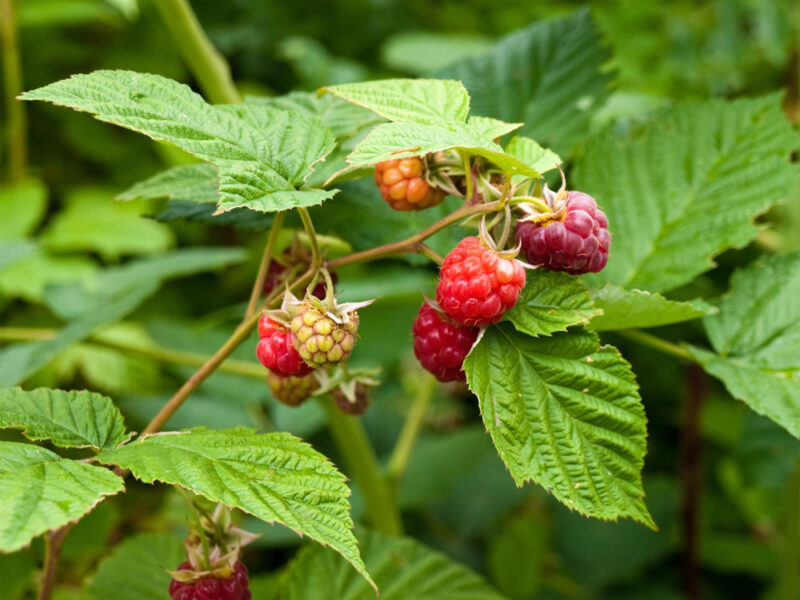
<point>529,332</point>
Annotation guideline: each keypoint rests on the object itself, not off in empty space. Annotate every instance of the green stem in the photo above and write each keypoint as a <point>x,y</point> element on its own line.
<point>207,65</point>
<point>468,175</point>
<point>316,255</point>
<point>429,252</point>
<point>362,464</point>
<point>411,428</point>
<point>788,584</point>
<point>12,86</point>
<point>657,343</point>
<point>263,269</point>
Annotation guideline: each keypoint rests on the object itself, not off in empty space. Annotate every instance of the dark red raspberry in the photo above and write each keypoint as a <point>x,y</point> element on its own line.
<point>402,184</point>
<point>440,345</point>
<point>358,407</point>
<point>275,275</point>
<point>276,350</point>
<point>235,587</point>
<point>577,244</point>
<point>476,285</point>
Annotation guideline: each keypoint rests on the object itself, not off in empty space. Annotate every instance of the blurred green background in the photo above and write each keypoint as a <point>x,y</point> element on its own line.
<point>457,495</point>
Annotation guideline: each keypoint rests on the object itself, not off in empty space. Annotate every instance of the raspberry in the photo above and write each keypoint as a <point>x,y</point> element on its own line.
<point>440,345</point>
<point>318,337</point>
<point>476,285</point>
<point>276,349</point>
<point>402,184</point>
<point>235,587</point>
<point>576,244</point>
<point>355,407</point>
<point>276,272</point>
<point>289,390</point>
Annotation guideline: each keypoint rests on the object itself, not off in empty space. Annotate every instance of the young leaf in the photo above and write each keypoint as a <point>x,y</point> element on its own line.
<point>263,154</point>
<point>424,101</point>
<point>551,302</point>
<point>136,569</point>
<point>68,419</point>
<point>42,491</point>
<point>275,477</point>
<point>403,569</point>
<point>547,76</point>
<point>193,183</point>
<point>757,339</point>
<point>566,414</point>
<point>687,187</point>
<point>635,309</point>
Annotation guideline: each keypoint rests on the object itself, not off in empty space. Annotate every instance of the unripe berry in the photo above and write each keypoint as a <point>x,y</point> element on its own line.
<point>291,391</point>
<point>403,185</point>
<point>319,339</point>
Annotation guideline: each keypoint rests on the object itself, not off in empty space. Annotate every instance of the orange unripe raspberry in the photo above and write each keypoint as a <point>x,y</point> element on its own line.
<point>403,185</point>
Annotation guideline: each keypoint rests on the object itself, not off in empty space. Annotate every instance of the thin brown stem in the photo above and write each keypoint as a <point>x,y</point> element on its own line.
<point>263,269</point>
<point>53,542</point>
<point>16,122</point>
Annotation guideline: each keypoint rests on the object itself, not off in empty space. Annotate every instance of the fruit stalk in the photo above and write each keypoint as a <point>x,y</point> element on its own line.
<point>401,453</point>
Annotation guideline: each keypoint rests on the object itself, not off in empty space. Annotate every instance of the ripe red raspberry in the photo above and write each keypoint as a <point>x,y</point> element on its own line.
<point>276,349</point>
<point>291,391</point>
<point>577,244</point>
<point>235,587</point>
<point>403,185</point>
<point>356,407</point>
<point>275,275</point>
<point>440,345</point>
<point>476,286</point>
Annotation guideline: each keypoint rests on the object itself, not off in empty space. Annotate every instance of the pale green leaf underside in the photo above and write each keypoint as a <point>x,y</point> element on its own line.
<point>635,309</point>
<point>551,302</point>
<point>757,337</point>
<point>69,419</point>
<point>136,570</point>
<point>195,183</point>
<point>42,491</point>
<point>275,477</point>
<point>566,414</point>
<point>403,569</point>
<point>263,154</point>
<point>687,187</point>
<point>424,101</point>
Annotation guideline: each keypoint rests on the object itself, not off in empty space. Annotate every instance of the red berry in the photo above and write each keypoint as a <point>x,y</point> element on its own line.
<point>476,285</point>
<point>235,587</point>
<point>440,345</point>
<point>276,349</point>
<point>402,184</point>
<point>275,275</point>
<point>578,244</point>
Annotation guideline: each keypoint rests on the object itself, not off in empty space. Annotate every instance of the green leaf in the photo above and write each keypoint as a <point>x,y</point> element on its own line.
<point>14,252</point>
<point>23,207</point>
<point>532,154</point>
<point>68,419</point>
<point>636,309</point>
<point>275,477</point>
<point>91,223</point>
<point>566,414</point>
<point>263,154</point>
<point>757,339</point>
<point>687,186</point>
<point>423,101</point>
<point>29,275</point>
<point>491,129</point>
<point>137,568</point>
<point>551,302</point>
<point>193,183</point>
<point>42,491</point>
<point>548,76</point>
<point>403,569</point>
<point>425,53</point>
<point>398,140</point>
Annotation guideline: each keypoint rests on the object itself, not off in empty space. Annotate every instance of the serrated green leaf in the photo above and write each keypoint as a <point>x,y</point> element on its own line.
<point>566,414</point>
<point>551,302</point>
<point>263,154</point>
<point>275,477</point>
<point>137,568</point>
<point>532,154</point>
<point>42,491</point>
<point>687,187</point>
<point>193,183</point>
<point>23,207</point>
<point>423,101</point>
<point>636,309</point>
<point>403,569</point>
<point>68,419</point>
<point>401,139</point>
<point>548,76</point>
<point>489,128</point>
<point>757,339</point>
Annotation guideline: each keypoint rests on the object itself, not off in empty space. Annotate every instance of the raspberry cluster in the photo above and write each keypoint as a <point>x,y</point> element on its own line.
<point>577,242</point>
<point>441,345</point>
<point>403,185</point>
<point>477,285</point>
<point>235,587</point>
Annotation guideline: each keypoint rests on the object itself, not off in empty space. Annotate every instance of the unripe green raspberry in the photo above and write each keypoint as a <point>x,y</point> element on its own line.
<point>319,339</point>
<point>290,390</point>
